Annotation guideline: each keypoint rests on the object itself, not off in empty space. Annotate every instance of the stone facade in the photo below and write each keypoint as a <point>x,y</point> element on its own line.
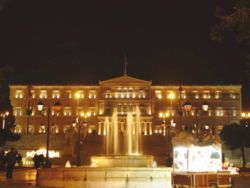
<point>160,107</point>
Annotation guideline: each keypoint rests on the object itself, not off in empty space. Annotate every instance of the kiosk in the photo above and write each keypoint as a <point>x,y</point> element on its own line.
<point>198,162</point>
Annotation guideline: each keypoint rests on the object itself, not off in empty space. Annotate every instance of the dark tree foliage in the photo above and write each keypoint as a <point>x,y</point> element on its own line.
<point>234,20</point>
<point>5,106</point>
<point>237,136</point>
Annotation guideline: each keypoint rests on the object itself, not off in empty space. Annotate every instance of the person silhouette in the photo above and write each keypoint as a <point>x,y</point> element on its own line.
<point>11,161</point>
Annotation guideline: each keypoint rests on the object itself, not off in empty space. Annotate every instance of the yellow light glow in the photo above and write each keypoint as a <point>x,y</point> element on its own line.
<point>243,114</point>
<point>160,114</point>
<point>77,95</point>
<point>171,96</point>
<point>52,153</point>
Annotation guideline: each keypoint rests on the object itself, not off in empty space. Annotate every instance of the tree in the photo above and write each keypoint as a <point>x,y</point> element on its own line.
<point>234,22</point>
<point>6,134</point>
<point>237,136</point>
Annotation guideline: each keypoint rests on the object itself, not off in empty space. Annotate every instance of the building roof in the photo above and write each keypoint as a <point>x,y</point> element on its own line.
<point>125,80</point>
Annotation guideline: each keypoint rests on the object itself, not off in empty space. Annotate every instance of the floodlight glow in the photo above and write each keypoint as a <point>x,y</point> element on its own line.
<point>52,153</point>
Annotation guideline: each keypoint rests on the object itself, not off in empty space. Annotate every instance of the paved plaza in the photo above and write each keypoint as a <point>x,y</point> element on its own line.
<point>26,178</point>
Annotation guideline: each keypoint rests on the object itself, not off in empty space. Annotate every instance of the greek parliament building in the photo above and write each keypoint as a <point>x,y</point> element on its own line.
<point>161,109</point>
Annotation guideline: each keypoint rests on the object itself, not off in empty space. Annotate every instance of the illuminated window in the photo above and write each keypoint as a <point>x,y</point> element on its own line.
<point>67,111</point>
<point>80,94</point>
<point>33,112</point>
<point>31,129</point>
<point>17,129</point>
<point>92,94</point>
<point>68,94</point>
<point>206,95</point>
<point>219,113</point>
<point>42,129</point>
<point>196,94</point>
<point>217,94</point>
<point>54,129</point>
<point>19,94</point>
<point>142,94</point>
<point>108,94</point>
<point>234,112</point>
<point>158,94</point>
<point>56,94</point>
<point>91,129</point>
<point>232,95</point>
<point>18,111</point>
<point>157,129</point>
<point>183,94</point>
<point>32,94</point>
<point>43,94</point>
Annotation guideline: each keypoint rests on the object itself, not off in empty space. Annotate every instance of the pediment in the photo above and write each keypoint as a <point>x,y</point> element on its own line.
<point>125,80</point>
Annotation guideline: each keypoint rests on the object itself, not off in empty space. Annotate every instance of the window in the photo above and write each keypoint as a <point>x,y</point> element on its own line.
<point>108,94</point>
<point>217,94</point>
<point>43,94</point>
<point>54,129</point>
<point>142,94</point>
<point>67,111</point>
<point>91,129</point>
<point>183,95</point>
<point>234,112</point>
<point>196,94</point>
<point>56,94</point>
<point>157,129</point>
<point>31,129</point>
<point>219,113</point>
<point>32,94</point>
<point>206,95</point>
<point>80,94</point>
<point>68,94</point>
<point>232,95</point>
<point>18,111</point>
<point>42,129</point>
<point>158,94</point>
<point>17,129</point>
<point>19,94</point>
<point>92,94</point>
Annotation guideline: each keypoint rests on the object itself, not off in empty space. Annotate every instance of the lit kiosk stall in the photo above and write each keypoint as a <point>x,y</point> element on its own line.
<point>198,163</point>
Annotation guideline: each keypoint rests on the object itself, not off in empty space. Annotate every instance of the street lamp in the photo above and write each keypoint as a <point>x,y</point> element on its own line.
<point>204,107</point>
<point>4,115</point>
<point>85,115</point>
<point>40,107</point>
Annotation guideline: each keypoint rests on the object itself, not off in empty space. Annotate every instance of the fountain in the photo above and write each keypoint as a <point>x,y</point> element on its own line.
<point>131,154</point>
<point>123,165</point>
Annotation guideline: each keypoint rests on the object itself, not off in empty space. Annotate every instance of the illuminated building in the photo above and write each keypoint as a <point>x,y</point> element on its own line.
<point>124,93</point>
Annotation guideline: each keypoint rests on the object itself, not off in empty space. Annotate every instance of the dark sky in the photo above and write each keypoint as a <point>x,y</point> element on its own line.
<point>51,41</point>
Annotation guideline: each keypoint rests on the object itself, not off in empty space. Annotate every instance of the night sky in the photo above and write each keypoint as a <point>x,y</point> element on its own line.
<point>75,42</point>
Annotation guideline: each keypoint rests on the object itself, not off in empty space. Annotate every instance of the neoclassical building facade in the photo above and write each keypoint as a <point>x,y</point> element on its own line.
<point>158,104</point>
<point>161,109</point>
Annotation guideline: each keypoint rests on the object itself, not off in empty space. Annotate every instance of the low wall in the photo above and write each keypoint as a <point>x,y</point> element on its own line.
<point>105,177</point>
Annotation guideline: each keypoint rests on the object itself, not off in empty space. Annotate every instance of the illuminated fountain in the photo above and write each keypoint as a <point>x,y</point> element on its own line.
<point>122,166</point>
<point>130,155</point>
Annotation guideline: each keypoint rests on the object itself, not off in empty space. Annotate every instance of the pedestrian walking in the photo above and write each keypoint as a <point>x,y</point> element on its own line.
<point>11,161</point>
<point>2,159</point>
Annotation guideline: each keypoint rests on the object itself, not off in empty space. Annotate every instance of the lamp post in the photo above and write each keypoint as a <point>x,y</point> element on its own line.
<point>164,116</point>
<point>40,106</point>
<point>4,115</point>
<point>85,115</point>
<point>204,108</point>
